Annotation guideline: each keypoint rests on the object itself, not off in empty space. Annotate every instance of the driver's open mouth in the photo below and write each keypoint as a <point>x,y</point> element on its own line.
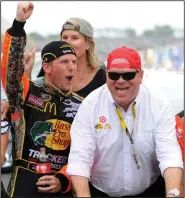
<point>69,78</point>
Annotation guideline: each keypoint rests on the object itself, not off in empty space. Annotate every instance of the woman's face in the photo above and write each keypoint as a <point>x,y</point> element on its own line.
<point>77,40</point>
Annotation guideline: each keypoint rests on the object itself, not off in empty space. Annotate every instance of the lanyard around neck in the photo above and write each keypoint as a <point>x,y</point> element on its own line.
<point>124,126</point>
<point>123,123</point>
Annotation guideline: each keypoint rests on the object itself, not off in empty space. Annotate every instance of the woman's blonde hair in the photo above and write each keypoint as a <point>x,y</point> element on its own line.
<point>72,24</point>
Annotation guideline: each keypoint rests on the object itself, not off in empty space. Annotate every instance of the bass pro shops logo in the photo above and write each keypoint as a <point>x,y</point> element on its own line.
<point>40,131</point>
<point>50,107</point>
<point>53,134</point>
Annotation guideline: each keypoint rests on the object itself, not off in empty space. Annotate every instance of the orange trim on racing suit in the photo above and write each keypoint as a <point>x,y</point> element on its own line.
<point>63,172</point>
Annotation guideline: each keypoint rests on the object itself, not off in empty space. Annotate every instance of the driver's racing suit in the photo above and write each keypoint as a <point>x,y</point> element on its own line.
<point>41,116</point>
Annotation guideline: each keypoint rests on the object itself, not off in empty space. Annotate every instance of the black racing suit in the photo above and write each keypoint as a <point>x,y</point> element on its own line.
<point>41,116</point>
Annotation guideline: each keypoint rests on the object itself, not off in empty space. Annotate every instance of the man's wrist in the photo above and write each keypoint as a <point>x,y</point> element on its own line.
<point>17,29</point>
<point>63,181</point>
<point>18,24</point>
<point>19,20</point>
<point>170,195</point>
<point>84,194</point>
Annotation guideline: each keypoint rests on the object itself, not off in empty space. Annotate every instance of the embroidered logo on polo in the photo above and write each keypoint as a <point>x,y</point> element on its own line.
<point>99,126</point>
<point>102,119</point>
<point>102,124</point>
<point>52,133</point>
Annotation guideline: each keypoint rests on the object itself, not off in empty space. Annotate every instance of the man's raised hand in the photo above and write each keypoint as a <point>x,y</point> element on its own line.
<point>24,11</point>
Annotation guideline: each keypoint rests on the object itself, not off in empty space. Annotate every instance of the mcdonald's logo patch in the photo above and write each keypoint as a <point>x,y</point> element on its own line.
<point>107,126</point>
<point>50,107</point>
<point>101,126</point>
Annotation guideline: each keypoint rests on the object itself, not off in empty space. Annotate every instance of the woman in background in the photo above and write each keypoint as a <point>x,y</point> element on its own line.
<point>79,33</point>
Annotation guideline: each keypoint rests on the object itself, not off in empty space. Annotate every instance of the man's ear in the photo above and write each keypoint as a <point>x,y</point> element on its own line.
<point>46,68</point>
<point>141,73</point>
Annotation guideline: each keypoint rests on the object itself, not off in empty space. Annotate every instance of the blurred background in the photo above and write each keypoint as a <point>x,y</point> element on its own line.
<point>155,29</point>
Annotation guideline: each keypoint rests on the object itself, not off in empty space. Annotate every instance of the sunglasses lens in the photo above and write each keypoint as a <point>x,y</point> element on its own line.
<point>125,76</point>
<point>128,75</point>
<point>114,76</point>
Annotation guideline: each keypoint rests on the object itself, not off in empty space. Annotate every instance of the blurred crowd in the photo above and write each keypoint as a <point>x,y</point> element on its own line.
<point>170,58</point>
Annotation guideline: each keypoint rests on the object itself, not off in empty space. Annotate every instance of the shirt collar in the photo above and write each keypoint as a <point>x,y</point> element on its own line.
<point>52,89</point>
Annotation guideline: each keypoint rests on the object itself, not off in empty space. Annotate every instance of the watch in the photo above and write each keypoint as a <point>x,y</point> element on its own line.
<point>174,192</point>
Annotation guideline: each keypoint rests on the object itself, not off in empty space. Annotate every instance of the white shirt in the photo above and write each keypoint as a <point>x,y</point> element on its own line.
<point>104,154</point>
<point>3,95</point>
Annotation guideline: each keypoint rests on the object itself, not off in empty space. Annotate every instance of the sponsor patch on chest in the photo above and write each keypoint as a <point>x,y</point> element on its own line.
<point>36,100</point>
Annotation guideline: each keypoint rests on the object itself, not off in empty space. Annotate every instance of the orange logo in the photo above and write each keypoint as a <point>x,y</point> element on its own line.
<point>60,139</point>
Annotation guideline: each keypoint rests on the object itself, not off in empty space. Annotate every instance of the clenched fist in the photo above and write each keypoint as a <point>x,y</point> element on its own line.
<point>24,11</point>
<point>29,59</point>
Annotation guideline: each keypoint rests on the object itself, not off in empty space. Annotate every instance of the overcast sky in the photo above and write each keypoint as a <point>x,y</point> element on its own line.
<point>48,16</point>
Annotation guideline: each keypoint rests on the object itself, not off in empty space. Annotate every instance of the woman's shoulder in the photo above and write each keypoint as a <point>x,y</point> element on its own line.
<point>98,80</point>
<point>101,70</point>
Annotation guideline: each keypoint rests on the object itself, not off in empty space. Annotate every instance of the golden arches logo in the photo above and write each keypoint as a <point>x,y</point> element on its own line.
<point>102,126</point>
<point>107,126</point>
<point>51,106</point>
